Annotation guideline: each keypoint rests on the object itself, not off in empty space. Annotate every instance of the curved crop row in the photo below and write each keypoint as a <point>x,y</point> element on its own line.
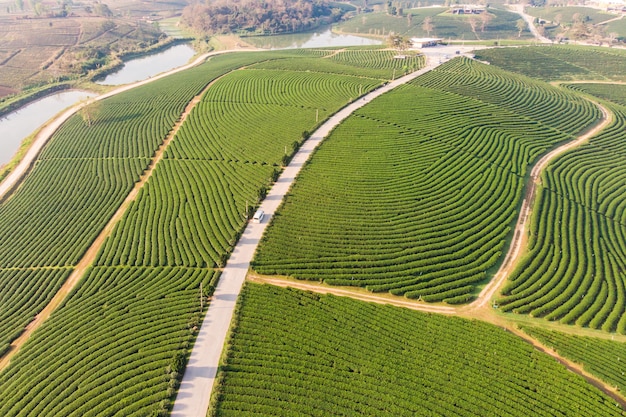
<point>553,107</point>
<point>279,104</point>
<point>573,271</point>
<point>18,304</point>
<point>114,355</point>
<point>82,176</point>
<point>298,353</point>
<point>415,193</point>
<point>378,64</point>
<point>189,214</point>
<point>118,345</point>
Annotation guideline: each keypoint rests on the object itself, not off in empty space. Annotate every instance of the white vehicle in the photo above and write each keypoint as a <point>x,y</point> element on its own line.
<point>258,216</point>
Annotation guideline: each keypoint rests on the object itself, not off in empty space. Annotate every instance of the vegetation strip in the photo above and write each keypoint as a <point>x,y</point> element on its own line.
<point>415,194</point>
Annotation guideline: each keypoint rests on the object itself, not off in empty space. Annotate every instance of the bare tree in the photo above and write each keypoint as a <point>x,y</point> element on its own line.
<point>520,25</point>
<point>473,22</point>
<point>427,25</point>
<point>485,18</point>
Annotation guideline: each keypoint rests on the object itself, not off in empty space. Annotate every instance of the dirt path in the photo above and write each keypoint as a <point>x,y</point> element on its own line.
<point>530,21</point>
<point>519,242</point>
<point>358,294</point>
<point>196,387</point>
<point>90,255</point>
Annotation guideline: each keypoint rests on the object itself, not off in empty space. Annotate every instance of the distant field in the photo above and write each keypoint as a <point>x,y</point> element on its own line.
<point>560,62</point>
<point>566,14</point>
<point>118,344</point>
<point>413,195</point>
<point>45,50</point>
<point>297,353</point>
<point>612,92</point>
<point>445,25</point>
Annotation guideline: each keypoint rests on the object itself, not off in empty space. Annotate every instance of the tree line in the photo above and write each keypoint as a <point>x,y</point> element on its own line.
<point>265,17</point>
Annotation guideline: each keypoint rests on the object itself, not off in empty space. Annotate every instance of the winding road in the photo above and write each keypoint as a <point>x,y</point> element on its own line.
<point>195,390</point>
<point>197,384</point>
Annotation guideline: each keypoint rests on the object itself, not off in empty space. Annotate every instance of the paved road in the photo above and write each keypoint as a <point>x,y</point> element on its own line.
<point>530,21</point>
<point>195,390</point>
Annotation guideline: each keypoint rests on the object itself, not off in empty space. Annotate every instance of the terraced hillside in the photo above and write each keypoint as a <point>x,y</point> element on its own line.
<point>573,271</point>
<point>77,183</point>
<point>297,353</point>
<point>415,193</point>
<point>118,345</point>
<point>559,62</point>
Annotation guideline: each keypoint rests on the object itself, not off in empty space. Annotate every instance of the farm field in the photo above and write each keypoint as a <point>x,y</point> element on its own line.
<point>573,269</point>
<point>41,51</point>
<point>77,183</point>
<point>294,352</point>
<point>566,14</point>
<point>601,357</point>
<point>560,62</point>
<point>611,92</point>
<point>393,186</point>
<point>445,25</point>
<point>184,221</point>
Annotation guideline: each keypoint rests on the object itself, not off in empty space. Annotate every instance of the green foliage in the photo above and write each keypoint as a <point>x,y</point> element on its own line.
<point>557,62</point>
<point>415,193</point>
<point>612,92</point>
<point>297,353</point>
<point>118,344</point>
<point>605,359</point>
<point>24,293</point>
<point>577,255</point>
<point>78,182</point>
<point>252,17</point>
<point>105,351</point>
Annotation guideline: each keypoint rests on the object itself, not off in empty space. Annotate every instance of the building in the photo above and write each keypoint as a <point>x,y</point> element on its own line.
<point>418,43</point>
<point>467,9</point>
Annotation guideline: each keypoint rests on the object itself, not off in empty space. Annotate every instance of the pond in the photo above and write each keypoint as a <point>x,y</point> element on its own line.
<point>19,124</point>
<point>150,65</point>
<point>323,37</point>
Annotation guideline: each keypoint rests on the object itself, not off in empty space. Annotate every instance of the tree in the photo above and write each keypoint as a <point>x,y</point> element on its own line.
<point>520,25</point>
<point>485,18</point>
<point>473,22</point>
<point>399,42</point>
<point>91,111</point>
<point>20,4</point>
<point>427,25</point>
